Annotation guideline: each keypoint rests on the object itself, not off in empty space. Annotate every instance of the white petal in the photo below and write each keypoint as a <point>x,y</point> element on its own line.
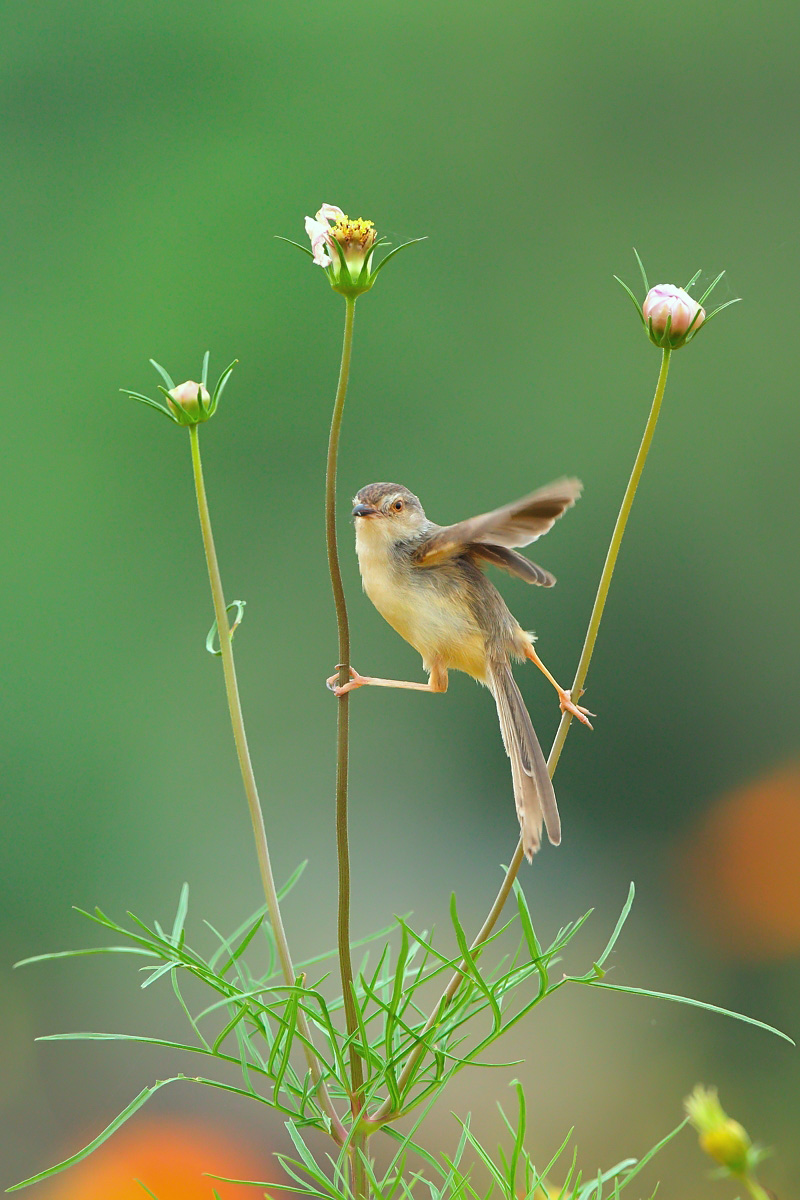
<point>329,212</point>
<point>313,227</point>
<point>321,257</point>
<point>318,235</point>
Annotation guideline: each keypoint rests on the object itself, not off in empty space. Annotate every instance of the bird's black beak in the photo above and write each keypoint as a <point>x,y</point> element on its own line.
<point>364,510</point>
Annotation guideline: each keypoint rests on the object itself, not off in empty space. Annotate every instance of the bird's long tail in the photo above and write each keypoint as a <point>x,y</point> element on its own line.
<point>533,791</point>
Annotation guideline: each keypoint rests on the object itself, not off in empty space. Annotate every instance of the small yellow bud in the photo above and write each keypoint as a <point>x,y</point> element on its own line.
<point>728,1145</point>
<point>722,1138</point>
<point>189,400</point>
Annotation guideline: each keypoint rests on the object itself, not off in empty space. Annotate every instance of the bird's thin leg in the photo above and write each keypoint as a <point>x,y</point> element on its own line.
<point>566,703</point>
<point>436,683</point>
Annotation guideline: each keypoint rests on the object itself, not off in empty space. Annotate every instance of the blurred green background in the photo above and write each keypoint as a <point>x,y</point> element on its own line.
<point>150,153</point>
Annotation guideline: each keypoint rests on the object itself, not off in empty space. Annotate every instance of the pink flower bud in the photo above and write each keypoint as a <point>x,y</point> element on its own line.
<point>670,313</point>
<point>183,399</point>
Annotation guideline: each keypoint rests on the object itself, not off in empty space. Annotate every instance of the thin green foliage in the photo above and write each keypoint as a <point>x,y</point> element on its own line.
<point>118,1121</point>
<point>511,1172</point>
<point>409,1056</point>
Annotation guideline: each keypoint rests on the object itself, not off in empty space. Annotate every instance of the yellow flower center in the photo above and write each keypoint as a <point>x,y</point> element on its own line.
<point>355,234</point>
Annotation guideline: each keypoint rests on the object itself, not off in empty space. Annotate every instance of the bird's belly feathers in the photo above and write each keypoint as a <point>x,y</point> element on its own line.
<point>428,613</point>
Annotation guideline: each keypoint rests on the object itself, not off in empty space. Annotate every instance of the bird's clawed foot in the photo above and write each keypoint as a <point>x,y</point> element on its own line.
<point>567,704</point>
<point>356,681</point>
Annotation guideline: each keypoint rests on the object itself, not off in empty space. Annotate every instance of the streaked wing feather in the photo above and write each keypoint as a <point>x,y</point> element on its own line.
<point>515,564</point>
<point>516,524</point>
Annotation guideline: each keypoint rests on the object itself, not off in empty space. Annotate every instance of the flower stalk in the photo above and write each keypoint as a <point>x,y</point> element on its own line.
<point>343,711</point>
<point>248,778</point>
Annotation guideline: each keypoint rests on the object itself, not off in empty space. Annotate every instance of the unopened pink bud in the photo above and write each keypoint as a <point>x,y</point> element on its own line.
<point>670,312</point>
<point>184,397</point>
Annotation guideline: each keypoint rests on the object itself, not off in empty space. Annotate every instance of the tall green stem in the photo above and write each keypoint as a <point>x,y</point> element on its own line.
<point>248,778</point>
<point>343,723</point>
<point>754,1188</point>
<point>385,1113</point>
<point>611,559</point>
<point>591,636</point>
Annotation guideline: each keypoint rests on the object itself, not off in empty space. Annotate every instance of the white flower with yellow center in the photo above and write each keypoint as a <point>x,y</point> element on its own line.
<point>344,247</point>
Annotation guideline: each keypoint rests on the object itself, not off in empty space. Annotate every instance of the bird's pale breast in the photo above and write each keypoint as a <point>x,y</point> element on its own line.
<point>426,607</point>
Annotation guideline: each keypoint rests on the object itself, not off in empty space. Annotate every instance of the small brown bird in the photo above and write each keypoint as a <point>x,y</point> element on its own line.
<point>426,581</point>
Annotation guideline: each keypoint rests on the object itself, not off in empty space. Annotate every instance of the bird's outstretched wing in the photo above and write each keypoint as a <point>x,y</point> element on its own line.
<point>509,560</point>
<point>516,524</point>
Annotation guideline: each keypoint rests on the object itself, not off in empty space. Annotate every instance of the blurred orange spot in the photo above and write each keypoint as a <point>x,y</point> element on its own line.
<point>741,868</point>
<point>169,1157</point>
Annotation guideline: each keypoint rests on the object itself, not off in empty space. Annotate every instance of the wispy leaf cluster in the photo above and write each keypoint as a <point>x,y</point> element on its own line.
<point>411,1043</point>
<point>471,1172</point>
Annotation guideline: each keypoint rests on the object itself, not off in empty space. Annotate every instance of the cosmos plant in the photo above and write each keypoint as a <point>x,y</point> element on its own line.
<point>367,1058</point>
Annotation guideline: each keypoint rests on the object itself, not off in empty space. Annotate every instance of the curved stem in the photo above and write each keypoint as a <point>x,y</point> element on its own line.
<point>248,777</point>
<point>343,722</point>
<point>384,1113</point>
<point>611,559</point>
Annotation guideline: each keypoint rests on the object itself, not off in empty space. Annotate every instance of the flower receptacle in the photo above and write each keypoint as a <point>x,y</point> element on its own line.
<point>187,403</point>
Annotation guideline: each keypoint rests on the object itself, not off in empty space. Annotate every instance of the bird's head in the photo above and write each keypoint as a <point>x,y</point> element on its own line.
<point>387,513</point>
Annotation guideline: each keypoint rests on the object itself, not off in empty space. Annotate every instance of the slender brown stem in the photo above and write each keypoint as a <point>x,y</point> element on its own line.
<point>343,723</point>
<point>385,1113</point>
<point>248,778</point>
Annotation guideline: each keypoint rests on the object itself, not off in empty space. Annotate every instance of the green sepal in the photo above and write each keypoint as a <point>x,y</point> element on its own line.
<point>710,288</point>
<point>216,395</point>
<point>636,303</point>
<point>396,250</point>
<point>289,242</point>
<point>164,375</point>
<point>367,275</point>
<point>727,304</point>
<point>641,268</point>
<point>150,403</point>
<point>366,270</point>
<point>343,281</point>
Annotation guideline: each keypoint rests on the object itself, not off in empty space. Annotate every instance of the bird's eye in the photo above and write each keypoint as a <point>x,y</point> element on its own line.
<point>398,506</point>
